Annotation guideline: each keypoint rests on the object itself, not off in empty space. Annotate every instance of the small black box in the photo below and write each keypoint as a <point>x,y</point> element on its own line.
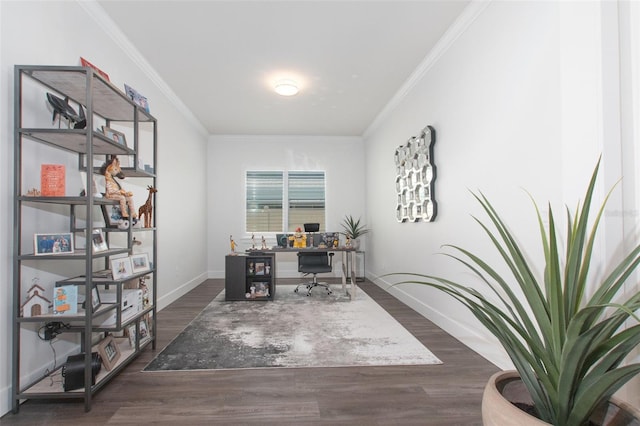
<point>73,371</point>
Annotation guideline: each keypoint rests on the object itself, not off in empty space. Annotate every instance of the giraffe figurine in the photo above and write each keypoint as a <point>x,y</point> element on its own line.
<point>146,209</point>
<point>114,191</point>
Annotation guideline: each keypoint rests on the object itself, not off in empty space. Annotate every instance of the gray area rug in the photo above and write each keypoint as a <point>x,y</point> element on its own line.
<point>293,330</point>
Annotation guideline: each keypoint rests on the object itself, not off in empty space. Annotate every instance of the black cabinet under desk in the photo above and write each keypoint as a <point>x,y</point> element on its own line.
<point>250,276</point>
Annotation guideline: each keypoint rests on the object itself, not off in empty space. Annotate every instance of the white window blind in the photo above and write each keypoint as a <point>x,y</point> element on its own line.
<point>264,201</point>
<point>306,199</point>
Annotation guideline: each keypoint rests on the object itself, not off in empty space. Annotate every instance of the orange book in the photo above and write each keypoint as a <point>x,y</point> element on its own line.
<point>52,180</point>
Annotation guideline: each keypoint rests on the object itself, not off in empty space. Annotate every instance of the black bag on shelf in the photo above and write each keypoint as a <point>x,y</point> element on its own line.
<point>73,371</point>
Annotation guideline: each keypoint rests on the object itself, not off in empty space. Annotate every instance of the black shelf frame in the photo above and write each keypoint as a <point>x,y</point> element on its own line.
<point>104,101</point>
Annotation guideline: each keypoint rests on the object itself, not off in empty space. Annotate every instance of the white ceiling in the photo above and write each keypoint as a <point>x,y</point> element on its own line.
<point>221,58</point>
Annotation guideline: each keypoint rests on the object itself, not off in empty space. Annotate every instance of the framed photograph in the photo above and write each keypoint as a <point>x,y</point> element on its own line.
<point>112,215</point>
<point>109,351</point>
<point>95,299</point>
<point>114,135</point>
<point>121,268</point>
<point>136,97</point>
<point>98,242</point>
<point>140,263</point>
<point>261,289</point>
<point>144,331</point>
<point>131,332</point>
<point>61,243</point>
<point>259,268</point>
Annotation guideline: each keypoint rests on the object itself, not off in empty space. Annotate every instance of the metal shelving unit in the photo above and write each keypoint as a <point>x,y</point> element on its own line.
<point>103,103</point>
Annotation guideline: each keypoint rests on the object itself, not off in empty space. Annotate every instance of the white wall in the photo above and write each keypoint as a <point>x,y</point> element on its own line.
<point>522,95</point>
<point>59,33</point>
<point>229,157</point>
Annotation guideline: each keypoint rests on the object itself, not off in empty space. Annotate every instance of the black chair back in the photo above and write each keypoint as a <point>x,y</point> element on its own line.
<point>311,227</point>
<point>314,262</point>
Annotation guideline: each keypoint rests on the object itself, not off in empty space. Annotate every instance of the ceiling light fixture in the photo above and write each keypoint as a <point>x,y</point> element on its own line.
<point>286,87</point>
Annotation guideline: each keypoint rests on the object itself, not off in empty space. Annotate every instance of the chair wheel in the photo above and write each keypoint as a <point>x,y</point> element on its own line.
<point>296,290</point>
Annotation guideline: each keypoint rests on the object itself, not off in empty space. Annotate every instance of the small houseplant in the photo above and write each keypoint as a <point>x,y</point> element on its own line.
<point>352,230</point>
<point>567,345</point>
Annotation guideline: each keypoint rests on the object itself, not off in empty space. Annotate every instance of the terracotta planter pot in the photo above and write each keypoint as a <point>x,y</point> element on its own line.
<point>505,388</point>
<point>497,410</point>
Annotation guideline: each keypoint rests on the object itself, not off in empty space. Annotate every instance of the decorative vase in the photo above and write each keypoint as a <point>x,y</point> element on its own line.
<point>505,389</point>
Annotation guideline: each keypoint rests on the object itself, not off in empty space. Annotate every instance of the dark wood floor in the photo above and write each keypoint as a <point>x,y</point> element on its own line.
<point>447,394</point>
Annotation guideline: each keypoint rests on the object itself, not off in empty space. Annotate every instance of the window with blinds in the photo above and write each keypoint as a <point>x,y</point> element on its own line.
<point>266,210</point>
<point>306,199</point>
<point>264,201</point>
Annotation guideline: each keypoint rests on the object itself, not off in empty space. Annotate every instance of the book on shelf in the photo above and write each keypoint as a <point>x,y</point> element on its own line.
<point>52,180</point>
<point>65,300</point>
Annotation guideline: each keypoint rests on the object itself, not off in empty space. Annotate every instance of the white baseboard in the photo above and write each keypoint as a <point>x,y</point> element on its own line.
<point>6,397</point>
<point>180,291</point>
<point>483,344</point>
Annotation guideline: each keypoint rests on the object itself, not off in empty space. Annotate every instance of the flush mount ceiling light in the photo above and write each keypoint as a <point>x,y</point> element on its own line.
<point>286,87</point>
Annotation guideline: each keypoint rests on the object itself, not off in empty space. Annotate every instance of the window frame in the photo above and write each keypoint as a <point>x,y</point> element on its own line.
<point>286,178</point>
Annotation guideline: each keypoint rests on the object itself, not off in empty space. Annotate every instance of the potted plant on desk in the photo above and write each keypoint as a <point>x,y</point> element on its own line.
<point>566,341</point>
<point>353,230</point>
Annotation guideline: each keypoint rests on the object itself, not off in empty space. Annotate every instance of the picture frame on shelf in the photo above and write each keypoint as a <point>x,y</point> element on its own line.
<point>121,268</point>
<point>109,352</point>
<point>131,332</point>
<point>145,334</point>
<point>114,135</point>
<point>98,242</point>
<point>95,300</point>
<point>112,215</point>
<point>140,263</point>
<point>137,98</point>
<point>261,289</point>
<point>53,243</point>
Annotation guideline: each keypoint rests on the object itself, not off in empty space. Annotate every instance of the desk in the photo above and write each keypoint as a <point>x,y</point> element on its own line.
<point>346,251</point>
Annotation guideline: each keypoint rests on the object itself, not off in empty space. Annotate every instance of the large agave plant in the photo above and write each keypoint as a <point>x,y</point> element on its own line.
<point>568,344</point>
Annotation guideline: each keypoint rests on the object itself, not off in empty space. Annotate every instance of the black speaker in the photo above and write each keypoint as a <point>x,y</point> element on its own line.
<point>73,371</point>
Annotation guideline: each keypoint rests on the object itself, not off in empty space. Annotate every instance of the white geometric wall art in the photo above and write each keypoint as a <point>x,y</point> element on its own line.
<point>415,178</point>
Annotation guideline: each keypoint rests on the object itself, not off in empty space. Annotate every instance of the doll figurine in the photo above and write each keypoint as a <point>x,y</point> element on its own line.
<point>114,191</point>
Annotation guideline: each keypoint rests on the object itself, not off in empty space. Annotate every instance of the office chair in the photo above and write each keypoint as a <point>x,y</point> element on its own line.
<point>310,262</point>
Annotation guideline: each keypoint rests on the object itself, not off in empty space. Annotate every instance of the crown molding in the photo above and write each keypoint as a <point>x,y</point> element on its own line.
<point>284,138</point>
<point>104,21</point>
<point>466,18</point>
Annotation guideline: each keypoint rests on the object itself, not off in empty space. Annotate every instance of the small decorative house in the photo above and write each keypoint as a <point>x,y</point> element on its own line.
<point>36,304</point>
